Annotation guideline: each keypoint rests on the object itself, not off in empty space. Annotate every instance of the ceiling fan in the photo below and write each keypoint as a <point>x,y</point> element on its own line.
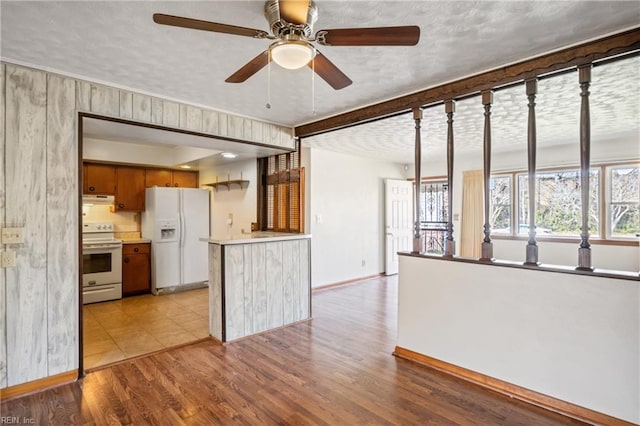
<point>291,22</point>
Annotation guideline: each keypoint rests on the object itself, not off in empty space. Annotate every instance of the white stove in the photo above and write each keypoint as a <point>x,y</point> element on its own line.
<point>101,263</point>
<point>95,234</point>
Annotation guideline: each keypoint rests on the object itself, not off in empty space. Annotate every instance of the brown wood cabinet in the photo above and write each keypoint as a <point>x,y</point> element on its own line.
<point>128,183</point>
<point>158,177</point>
<point>129,189</point>
<point>173,178</point>
<point>182,179</point>
<point>136,269</point>
<point>99,179</point>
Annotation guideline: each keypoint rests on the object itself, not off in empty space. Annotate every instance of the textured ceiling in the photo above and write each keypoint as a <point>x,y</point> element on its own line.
<point>118,43</point>
<point>614,104</point>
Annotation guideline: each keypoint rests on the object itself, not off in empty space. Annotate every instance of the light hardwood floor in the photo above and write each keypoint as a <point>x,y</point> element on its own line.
<point>133,326</point>
<point>335,369</point>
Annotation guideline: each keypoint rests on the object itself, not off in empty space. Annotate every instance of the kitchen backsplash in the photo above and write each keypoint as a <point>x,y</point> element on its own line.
<point>127,235</point>
<point>123,222</point>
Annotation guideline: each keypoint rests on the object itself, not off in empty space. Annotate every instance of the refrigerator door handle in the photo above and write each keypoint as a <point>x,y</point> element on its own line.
<point>184,231</point>
<point>181,216</point>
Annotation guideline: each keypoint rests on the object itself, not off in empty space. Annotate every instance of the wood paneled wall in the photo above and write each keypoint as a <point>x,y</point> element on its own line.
<point>39,298</point>
<point>3,294</point>
<point>26,205</point>
<point>62,227</point>
<point>266,285</point>
<point>110,101</point>
<point>215,292</point>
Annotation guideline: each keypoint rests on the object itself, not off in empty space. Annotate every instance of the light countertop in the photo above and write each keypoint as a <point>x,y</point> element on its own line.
<point>255,237</point>
<point>136,241</point>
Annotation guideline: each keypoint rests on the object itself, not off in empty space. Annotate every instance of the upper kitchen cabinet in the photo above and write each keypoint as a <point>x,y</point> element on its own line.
<point>130,189</point>
<point>174,178</point>
<point>158,177</point>
<point>185,179</point>
<point>99,179</point>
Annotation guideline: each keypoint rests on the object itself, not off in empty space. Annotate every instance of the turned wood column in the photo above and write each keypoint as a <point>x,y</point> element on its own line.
<point>584,251</point>
<point>417,236</point>
<point>487,245</point>
<point>531,87</point>
<point>449,245</point>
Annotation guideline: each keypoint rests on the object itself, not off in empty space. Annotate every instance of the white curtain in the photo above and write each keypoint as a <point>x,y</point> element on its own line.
<point>471,233</point>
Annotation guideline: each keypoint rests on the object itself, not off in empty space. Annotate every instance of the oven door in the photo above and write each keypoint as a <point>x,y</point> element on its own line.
<point>101,264</point>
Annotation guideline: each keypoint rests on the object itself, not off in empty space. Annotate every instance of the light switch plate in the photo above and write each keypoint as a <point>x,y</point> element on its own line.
<point>7,259</point>
<point>12,235</point>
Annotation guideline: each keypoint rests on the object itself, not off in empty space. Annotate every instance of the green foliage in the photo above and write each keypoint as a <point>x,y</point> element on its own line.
<point>559,201</point>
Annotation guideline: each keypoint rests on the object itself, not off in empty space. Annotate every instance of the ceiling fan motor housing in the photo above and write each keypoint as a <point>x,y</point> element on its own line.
<point>281,28</point>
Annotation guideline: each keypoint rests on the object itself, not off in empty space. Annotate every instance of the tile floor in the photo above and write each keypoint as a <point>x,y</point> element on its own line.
<point>136,325</point>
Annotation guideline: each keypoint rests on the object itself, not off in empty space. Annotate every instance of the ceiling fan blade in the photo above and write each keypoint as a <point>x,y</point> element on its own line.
<point>294,11</point>
<point>252,67</point>
<point>379,36</point>
<point>196,24</point>
<point>329,72</point>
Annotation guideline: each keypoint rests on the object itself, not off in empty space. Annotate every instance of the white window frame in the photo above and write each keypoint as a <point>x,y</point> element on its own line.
<point>604,208</point>
<point>511,177</point>
<point>609,201</point>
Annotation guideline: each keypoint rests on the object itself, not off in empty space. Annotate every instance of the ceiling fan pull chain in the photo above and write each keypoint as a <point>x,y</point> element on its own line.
<point>269,80</point>
<point>313,86</point>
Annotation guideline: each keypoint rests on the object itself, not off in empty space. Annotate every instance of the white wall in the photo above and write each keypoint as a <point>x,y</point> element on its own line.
<point>346,215</point>
<point>573,337</point>
<point>241,203</point>
<point>617,258</point>
<point>157,154</point>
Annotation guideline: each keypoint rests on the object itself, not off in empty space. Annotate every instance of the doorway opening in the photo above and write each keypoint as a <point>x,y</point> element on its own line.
<point>142,312</point>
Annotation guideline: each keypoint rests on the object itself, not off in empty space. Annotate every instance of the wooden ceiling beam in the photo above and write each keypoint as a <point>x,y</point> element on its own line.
<point>585,53</point>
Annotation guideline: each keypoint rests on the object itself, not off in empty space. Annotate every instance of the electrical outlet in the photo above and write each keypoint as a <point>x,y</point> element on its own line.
<point>12,235</point>
<point>7,259</point>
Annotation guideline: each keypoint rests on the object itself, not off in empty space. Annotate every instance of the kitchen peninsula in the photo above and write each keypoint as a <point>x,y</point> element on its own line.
<point>258,282</point>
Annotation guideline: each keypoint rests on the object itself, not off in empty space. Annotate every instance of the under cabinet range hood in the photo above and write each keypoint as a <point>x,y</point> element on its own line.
<point>104,200</point>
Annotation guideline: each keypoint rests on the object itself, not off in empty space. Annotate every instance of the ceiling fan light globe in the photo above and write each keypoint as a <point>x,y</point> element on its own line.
<point>292,55</point>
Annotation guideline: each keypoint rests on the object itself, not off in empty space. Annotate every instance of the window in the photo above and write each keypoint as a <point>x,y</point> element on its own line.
<point>559,205</point>
<point>281,193</point>
<point>624,201</point>
<point>501,204</point>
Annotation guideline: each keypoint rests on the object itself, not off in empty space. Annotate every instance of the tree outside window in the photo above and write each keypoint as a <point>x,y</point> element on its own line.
<point>500,204</point>
<point>624,201</point>
<point>558,203</point>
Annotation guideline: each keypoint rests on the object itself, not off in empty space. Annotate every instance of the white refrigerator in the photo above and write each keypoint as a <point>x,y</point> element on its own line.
<point>175,220</point>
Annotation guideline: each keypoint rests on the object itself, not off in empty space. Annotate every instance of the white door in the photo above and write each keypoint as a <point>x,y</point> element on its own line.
<point>398,221</point>
<point>195,227</point>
